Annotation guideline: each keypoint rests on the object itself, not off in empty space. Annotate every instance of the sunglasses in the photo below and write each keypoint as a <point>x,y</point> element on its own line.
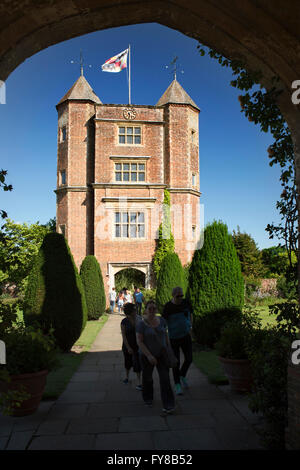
<point>179,296</point>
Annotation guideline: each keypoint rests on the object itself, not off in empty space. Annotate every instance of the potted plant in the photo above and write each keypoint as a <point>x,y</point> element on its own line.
<point>30,354</point>
<point>233,357</point>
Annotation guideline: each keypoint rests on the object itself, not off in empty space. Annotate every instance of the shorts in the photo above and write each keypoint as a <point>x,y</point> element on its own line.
<point>131,360</point>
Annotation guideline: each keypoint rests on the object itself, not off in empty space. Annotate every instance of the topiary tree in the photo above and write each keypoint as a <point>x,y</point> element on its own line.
<point>215,285</point>
<point>92,280</point>
<point>171,274</point>
<point>165,242</point>
<point>55,296</point>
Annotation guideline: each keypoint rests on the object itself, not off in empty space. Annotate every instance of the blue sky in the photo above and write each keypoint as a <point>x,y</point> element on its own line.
<point>238,186</point>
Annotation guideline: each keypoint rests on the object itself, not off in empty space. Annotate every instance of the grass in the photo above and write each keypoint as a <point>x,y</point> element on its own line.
<point>209,364</point>
<point>58,379</point>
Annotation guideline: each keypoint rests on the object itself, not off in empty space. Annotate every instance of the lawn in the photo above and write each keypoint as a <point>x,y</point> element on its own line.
<point>58,379</point>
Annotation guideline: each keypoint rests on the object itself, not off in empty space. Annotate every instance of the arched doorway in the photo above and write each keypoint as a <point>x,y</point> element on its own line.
<point>129,277</point>
<point>141,272</point>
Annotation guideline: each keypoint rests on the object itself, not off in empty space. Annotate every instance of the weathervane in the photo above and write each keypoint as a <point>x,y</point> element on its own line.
<point>173,64</point>
<point>80,63</point>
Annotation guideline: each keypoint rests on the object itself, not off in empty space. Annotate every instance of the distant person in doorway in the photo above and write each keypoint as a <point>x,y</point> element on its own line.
<point>120,302</point>
<point>179,316</point>
<point>138,300</point>
<point>112,299</point>
<point>130,347</point>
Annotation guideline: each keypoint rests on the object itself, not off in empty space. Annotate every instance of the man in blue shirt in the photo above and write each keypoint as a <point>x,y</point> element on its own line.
<point>178,314</point>
<point>138,299</point>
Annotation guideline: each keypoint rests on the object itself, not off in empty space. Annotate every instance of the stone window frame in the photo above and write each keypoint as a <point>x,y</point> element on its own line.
<point>127,222</point>
<point>62,177</point>
<point>126,134</point>
<point>138,171</point>
<point>63,134</point>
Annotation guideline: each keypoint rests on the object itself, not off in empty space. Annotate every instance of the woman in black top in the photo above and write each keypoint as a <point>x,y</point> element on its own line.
<point>130,347</point>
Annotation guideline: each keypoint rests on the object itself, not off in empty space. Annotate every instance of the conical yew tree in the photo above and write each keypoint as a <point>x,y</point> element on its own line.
<point>55,296</point>
<point>92,280</point>
<point>215,284</point>
<point>171,275</point>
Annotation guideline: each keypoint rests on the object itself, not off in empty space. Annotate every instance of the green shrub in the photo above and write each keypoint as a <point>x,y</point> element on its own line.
<point>149,294</point>
<point>171,274</point>
<point>232,342</point>
<point>55,297</point>
<point>92,280</point>
<point>215,279</point>
<point>287,288</point>
<point>165,242</point>
<point>207,328</point>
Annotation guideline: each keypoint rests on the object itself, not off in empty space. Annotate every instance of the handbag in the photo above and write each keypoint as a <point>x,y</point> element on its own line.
<point>168,353</point>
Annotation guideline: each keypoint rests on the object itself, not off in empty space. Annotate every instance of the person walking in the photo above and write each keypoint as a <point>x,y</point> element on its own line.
<point>178,315</point>
<point>138,300</point>
<point>127,297</point>
<point>129,347</point>
<point>112,299</point>
<point>152,338</point>
<point>120,302</point>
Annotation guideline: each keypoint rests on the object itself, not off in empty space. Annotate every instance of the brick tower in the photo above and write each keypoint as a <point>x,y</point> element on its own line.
<point>114,162</point>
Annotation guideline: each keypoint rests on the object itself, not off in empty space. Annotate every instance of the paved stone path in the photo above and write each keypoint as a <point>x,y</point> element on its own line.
<point>97,411</point>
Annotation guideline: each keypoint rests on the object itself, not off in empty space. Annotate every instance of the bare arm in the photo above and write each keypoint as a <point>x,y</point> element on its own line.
<point>125,339</point>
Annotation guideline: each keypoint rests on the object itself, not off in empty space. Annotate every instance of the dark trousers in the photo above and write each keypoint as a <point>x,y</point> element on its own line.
<point>167,396</point>
<point>185,344</point>
<point>139,308</point>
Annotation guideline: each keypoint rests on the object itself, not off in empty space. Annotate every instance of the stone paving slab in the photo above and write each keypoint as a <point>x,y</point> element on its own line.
<point>125,441</point>
<point>97,411</point>
<point>93,425</point>
<point>19,440</point>
<point>142,423</point>
<point>63,442</point>
<point>196,439</point>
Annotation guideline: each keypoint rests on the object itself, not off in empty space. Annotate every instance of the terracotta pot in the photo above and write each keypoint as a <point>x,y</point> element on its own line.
<point>238,372</point>
<point>34,384</point>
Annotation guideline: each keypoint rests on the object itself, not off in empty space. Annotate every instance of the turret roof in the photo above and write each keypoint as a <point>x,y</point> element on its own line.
<point>81,90</point>
<point>176,94</point>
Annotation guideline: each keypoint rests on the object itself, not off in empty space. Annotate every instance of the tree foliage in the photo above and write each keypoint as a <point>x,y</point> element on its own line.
<point>165,242</point>
<point>171,274</point>
<point>92,280</point>
<point>129,278</point>
<point>54,296</point>
<point>260,106</point>
<point>248,254</point>
<point>19,244</point>
<point>5,187</point>
<point>216,285</point>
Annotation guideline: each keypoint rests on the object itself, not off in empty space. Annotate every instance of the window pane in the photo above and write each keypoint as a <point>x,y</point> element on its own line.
<point>121,139</point>
<point>142,166</point>
<point>121,130</point>
<point>137,130</point>
<point>125,231</point>
<point>129,130</point>
<point>118,231</point>
<point>137,139</point>
<point>118,166</point>
<point>133,176</point>
<point>133,166</point>
<point>141,229</point>
<point>129,139</point>
<point>141,176</point>
<point>133,217</point>
<point>117,217</point>
<point>125,217</point>
<point>141,217</point>
<point>125,176</point>
<point>63,177</point>
<point>125,166</point>
<point>118,176</point>
<point>132,231</point>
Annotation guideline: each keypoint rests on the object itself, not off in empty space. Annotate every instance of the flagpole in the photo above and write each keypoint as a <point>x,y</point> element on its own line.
<point>129,79</point>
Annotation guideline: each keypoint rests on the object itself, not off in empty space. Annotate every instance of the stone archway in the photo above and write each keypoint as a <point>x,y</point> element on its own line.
<point>144,267</point>
<point>264,34</point>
